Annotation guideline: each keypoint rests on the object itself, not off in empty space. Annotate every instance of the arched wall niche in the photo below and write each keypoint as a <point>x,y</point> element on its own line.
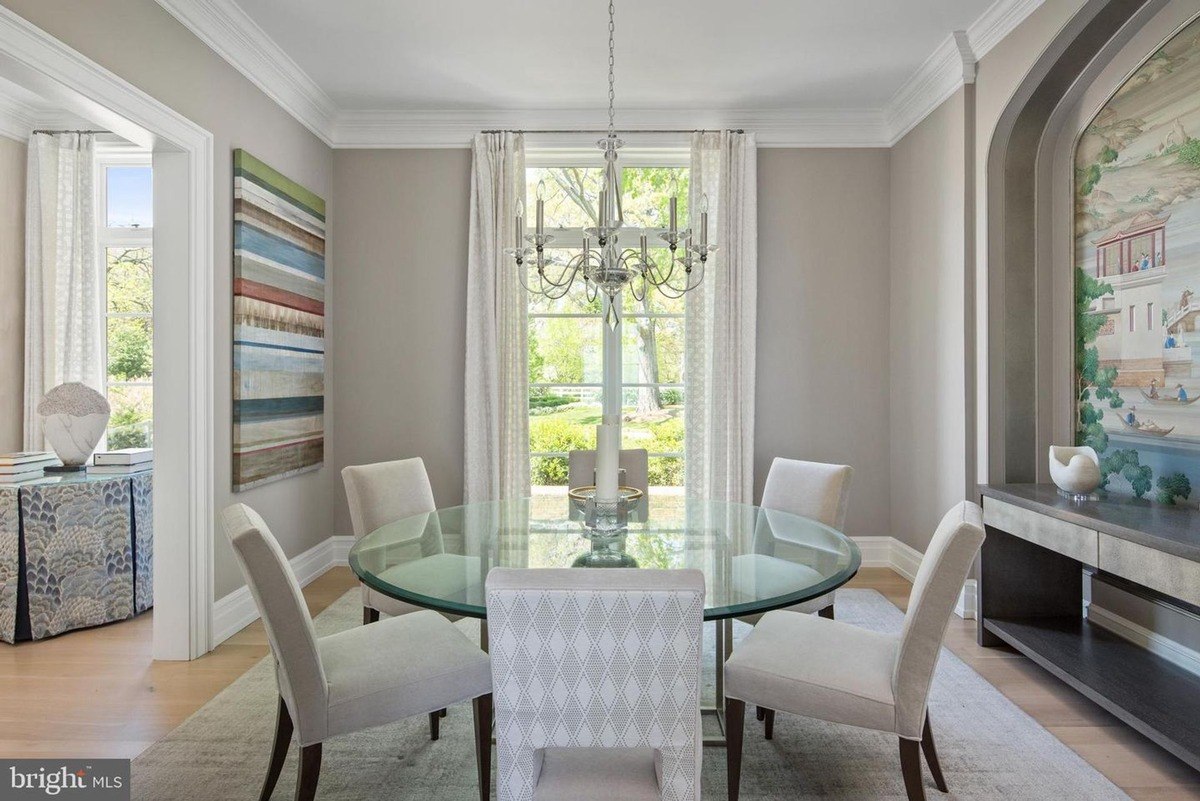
<point>1027,339</point>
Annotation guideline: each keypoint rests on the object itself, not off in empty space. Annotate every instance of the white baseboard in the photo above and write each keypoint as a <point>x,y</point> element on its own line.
<point>236,610</point>
<point>965,608</point>
<point>1153,642</point>
<point>906,560</point>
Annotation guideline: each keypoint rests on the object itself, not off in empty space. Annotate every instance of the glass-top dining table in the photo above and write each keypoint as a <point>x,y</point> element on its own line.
<point>753,559</point>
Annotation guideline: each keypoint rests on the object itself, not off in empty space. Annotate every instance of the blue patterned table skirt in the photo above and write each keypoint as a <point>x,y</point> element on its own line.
<point>75,554</point>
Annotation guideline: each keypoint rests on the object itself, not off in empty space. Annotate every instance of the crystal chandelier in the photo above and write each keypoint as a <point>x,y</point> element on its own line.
<point>607,267</point>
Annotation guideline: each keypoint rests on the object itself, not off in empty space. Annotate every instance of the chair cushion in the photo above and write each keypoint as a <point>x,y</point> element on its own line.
<point>597,774</point>
<point>399,667</point>
<point>815,667</point>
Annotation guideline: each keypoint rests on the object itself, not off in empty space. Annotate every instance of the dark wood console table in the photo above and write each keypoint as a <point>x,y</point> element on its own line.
<point>1038,546</point>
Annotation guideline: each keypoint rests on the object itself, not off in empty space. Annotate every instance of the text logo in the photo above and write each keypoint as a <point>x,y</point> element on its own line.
<point>70,779</point>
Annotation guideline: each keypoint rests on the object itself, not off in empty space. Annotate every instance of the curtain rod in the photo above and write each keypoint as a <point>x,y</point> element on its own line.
<point>605,130</point>
<point>52,131</point>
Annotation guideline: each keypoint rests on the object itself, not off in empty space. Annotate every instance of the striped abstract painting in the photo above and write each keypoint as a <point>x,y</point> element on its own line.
<point>278,325</point>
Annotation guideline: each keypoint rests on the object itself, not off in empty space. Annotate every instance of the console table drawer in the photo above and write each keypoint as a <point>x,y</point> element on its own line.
<point>1071,540</point>
<point>1169,574</point>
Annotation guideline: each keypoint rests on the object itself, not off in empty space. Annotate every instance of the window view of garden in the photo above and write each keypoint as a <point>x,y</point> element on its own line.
<point>125,235</point>
<point>130,346</point>
<point>566,335</point>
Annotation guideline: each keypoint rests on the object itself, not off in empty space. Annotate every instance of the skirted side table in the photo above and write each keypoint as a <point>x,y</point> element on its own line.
<point>75,551</point>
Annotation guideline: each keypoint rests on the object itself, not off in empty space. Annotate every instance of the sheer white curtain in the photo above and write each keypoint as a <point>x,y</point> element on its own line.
<point>719,323</point>
<point>63,318</point>
<point>497,395</point>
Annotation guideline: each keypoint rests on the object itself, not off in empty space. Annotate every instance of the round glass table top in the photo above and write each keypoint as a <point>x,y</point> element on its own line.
<point>753,559</point>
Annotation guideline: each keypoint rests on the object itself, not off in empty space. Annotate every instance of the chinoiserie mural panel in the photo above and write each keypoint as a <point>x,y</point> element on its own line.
<point>1137,277</point>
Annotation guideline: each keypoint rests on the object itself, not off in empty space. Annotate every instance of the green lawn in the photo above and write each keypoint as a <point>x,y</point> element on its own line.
<point>573,427</point>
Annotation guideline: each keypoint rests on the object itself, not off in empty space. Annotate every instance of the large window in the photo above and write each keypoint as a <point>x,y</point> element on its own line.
<point>124,233</point>
<point>566,335</point>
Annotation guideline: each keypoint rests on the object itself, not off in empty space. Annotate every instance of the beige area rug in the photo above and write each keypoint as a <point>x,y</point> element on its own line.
<point>989,748</point>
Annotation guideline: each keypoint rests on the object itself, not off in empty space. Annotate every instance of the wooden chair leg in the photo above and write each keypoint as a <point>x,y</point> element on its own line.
<point>827,612</point>
<point>370,615</point>
<point>482,709</point>
<point>735,721</point>
<point>283,740</point>
<point>931,756</point>
<point>310,772</point>
<point>910,766</point>
<point>435,719</point>
<point>769,724</point>
<point>760,713</point>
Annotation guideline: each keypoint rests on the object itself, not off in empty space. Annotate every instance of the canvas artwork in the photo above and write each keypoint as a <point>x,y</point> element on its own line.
<point>278,325</point>
<point>1137,279</point>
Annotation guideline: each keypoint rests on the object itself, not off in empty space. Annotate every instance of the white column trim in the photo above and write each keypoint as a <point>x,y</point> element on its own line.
<point>183,583</point>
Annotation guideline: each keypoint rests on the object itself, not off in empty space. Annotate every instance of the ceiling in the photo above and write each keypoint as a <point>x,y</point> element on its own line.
<point>674,54</point>
<point>364,73</point>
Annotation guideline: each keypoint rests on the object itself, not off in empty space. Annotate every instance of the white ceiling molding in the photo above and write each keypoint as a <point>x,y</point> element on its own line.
<point>20,116</point>
<point>233,35</point>
<point>773,127</point>
<point>950,66</point>
<point>237,38</point>
<point>16,118</point>
<point>997,22</point>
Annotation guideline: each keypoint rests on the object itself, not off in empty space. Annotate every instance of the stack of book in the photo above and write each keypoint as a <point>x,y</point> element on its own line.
<point>27,464</point>
<point>123,462</point>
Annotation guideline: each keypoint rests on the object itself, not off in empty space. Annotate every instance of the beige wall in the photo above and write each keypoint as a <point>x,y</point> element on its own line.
<point>823,289</point>
<point>146,46</point>
<point>399,355</point>
<point>12,292</point>
<point>928,316</point>
<point>401,218</point>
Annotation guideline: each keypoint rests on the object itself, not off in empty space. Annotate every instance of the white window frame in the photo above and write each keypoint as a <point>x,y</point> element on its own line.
<point>116,154</point>
<point>573,156</point>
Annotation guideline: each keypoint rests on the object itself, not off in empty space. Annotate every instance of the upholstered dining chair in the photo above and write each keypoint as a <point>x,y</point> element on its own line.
<point>386,492</point>
<point>382,493</point>
<point>581,468</point>
<point>597,683</point>
<point>814,490</point>
<point>821,668</point>
<point>356,679</point>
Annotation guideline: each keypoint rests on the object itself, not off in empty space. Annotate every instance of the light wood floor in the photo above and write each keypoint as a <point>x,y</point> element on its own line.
<point>97,693</point>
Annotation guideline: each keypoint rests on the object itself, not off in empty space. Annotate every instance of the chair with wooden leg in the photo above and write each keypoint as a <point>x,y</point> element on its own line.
<point>356,679</point>
<point>814,490</point>
<point>398,492</point>
<point>833,671</point>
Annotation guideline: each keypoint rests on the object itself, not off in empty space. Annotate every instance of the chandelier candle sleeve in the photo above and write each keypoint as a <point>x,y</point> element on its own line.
<point>520,222</point>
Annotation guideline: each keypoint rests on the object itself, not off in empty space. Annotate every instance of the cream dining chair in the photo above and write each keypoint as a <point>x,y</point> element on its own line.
<point>814,490</point>
<point>833,671</point>
<point>386,492</point>
<point>597,683</point>
<point>356,679</point>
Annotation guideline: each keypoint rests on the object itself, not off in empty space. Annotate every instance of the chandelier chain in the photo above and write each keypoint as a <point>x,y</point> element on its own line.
<point>612,60</point>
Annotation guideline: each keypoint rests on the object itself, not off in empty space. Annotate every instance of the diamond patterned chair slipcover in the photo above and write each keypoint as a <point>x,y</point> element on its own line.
<point>356,679</point>
<point>596,677</point>
<point>833,671</point>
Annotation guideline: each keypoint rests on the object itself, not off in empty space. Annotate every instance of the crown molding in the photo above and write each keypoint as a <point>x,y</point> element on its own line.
<point>997,22</point>
<point>19,118</point>
<point>949,67</point>
<point>237,38</point>
<point>773,127</point>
